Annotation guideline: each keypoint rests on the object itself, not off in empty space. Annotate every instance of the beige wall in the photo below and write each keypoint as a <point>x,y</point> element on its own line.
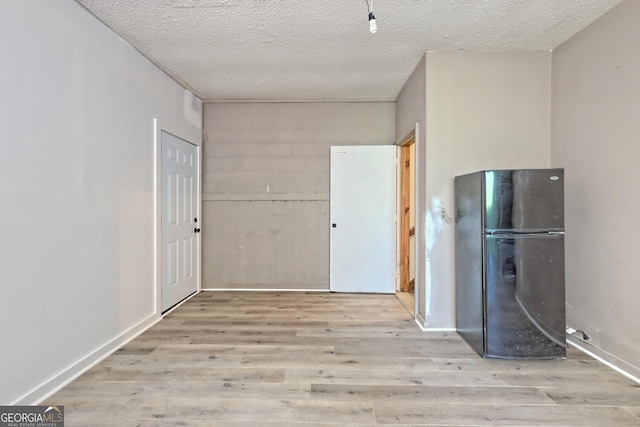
<point>484,111</point>
<point>595,136</point>
<point>266,188</point>
<point>475,111</point>
<point>77,219</point>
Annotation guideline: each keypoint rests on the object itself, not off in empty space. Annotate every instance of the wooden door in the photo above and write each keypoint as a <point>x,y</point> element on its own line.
<point>407,216</point>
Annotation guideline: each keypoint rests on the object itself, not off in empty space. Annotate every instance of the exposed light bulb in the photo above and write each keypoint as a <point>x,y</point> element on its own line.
<point>373,27</point>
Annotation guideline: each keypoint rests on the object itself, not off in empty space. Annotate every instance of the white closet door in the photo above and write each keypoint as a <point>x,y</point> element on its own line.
<point>180,226</point>
<point>363,219</point>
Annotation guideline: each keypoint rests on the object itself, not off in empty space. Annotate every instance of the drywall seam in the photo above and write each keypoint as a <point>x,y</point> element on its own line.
<point>258,197</point>
<point>262,290</point>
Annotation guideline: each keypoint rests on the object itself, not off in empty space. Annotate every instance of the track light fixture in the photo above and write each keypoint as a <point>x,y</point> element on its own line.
<point>373,27</point>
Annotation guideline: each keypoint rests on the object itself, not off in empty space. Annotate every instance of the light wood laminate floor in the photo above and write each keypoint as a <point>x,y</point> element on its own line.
<point>275,359</point>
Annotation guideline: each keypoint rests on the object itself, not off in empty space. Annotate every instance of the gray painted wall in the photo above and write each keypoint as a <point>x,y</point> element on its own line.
<point>78,201</point>
<point>475,111</point>
<point>488,110</point>
<point>595,135</point>
<point>266,175</point>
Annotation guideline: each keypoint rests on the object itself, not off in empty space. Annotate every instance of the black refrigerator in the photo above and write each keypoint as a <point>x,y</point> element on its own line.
<point>509,262</point>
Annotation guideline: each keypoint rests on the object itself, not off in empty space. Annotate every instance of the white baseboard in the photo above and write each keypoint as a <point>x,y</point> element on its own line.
<point>420,321</point>
<point>419,325</point>
<point>626,369</point>
<point>60,380</point>
<point>423,325</point>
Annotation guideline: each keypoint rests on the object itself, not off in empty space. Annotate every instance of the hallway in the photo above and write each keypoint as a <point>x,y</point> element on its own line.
<point>275,359</point>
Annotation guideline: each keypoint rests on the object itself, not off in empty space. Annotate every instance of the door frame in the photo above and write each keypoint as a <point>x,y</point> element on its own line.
<point>410,139</point>
<point>158,128</point>
<point>404,214</point>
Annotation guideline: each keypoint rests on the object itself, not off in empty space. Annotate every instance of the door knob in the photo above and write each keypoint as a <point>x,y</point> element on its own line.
<point>196,230</point>
<point>334,225</point>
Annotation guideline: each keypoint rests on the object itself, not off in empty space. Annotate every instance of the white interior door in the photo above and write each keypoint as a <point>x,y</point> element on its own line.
<point>362,254</point>
<point>180,227</point>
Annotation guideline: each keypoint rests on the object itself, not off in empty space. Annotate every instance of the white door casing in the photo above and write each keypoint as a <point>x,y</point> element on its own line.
<point>179,226</point>
<point>362,253</point>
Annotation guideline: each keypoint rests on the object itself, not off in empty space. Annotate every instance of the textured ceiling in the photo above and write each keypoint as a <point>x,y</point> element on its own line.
<point>322,50</point>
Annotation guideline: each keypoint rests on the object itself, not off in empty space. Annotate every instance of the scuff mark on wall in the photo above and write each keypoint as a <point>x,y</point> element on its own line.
<point>436,220</point>
<point>435,223</point>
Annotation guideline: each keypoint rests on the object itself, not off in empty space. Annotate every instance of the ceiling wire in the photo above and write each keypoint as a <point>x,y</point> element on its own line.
<point>369,6</point>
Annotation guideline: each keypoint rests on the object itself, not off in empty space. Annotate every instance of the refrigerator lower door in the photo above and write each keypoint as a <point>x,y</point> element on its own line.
<point>524,296</point>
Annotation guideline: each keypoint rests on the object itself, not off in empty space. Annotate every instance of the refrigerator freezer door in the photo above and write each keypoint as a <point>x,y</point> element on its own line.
<point>525,200</point>
<point>525,297</point>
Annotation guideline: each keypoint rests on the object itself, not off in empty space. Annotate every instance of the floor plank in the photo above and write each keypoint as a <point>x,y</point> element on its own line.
<point>505,415</point>
<point>594,394</point>
<point>418,395</point>
<point>295,359</point>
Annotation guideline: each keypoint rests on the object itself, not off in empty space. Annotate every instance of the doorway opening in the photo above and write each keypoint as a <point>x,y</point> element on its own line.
<point>405,290</point>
